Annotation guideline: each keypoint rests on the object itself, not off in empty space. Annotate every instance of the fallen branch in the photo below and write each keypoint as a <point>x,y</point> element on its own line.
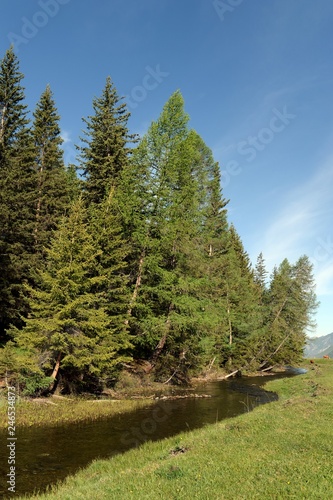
<point>57,396</point>
<point>267,369</point>
<point>211,364</point>
<point>230,375</point>
<point>46,401</point>
<point>174,373</point>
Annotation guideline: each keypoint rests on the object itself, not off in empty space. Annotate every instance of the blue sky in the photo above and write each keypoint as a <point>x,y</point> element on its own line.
<point>257,82</point>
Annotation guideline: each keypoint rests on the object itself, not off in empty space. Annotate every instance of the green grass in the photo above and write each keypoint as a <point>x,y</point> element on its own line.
<point>279,451</point>
<point>131,392</point>
<point>62,411</point>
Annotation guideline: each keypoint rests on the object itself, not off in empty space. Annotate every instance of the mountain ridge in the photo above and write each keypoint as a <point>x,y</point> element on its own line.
<point>318,347</point>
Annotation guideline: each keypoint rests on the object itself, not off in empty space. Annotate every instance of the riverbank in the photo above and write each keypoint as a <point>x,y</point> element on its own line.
<point>130,395</point>
<point>54,411</point>
<point>280,450</point>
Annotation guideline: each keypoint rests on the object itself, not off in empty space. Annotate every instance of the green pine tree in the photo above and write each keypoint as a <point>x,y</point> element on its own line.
<point>52,196</point>
<point>17,194</point>
<point>292,304</point>
<point>107,231</point>
<point>105,149</point>
<point>239,292</point>
<point>166,193</point>
<point>215,241</point>
<point>69,326</point>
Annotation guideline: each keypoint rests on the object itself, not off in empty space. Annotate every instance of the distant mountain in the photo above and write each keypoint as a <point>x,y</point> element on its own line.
<point>319,346</point>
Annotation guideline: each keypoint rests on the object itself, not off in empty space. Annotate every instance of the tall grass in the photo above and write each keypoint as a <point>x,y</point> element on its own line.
<point>56,412</point>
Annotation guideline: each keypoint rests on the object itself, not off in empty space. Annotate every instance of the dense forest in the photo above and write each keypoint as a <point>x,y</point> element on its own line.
<point>127,260</point>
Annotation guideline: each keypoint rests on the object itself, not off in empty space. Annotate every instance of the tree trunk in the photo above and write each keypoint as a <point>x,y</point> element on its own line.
<point>276,350</point>
<point>268,369</point>
<point>162,341</point>
<point>2,125</point>
<point>55,372</point>
<point>39,202</point>
<point>229,319</point>
<point>280,310</point>
<point>136,288</point>
<point>231,374</point>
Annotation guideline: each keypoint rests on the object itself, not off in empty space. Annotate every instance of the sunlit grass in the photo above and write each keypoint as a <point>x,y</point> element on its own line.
<point>280,450</point>
<point>55,411</point>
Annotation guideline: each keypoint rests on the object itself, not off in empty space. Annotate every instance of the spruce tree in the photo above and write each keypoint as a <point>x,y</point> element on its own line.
<point>13,112</point>
<point>260,273</point>
<point>52,196</point>
<point>107,231</point>
<point>243,318</point>
<point>17,188</point>
<point>215,241</point>
<point>69,326</point>
<point>292,303</point>
<point>105,149</point>
<point>258,341</point>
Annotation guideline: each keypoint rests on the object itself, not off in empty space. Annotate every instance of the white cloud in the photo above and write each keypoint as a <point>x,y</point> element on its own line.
<point>65,135</point>
<point>306,215</point>
<point>324,279</point>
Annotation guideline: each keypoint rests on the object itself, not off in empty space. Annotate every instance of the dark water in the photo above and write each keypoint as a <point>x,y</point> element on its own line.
<point>45,455</point>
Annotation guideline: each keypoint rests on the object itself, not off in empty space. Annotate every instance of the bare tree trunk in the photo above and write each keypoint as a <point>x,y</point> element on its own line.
<point>229,319</point>
<point>39,202</point>
<point>2,125</point>
<point>136,288</point>
<point>231,374</point>
<point>55,372</point>
<point>276,350</point>
<point>211,364</point>
<point>163,339</point>
<point>37,217</point>
<point>268,369</point>
<point>280,310</point>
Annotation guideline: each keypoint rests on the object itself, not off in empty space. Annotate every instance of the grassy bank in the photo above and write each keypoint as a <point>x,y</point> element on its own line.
<point>281,450</point>
<point>54,411</point>
<point>130,393</point>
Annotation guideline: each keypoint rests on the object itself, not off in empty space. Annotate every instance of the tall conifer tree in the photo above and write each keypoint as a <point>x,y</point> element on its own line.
<point>107,231</point>
<point>17,188</point>
<point>105,149</point>
<point>52,194</point>
<point>69,325</point>
<point>166,188</point>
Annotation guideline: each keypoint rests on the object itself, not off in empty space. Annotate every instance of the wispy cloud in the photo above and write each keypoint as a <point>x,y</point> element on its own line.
<point>259,111</point>
<point>70,152</point>
<point>324,279</point>
<point>65,135</point>
<point>304,219</point>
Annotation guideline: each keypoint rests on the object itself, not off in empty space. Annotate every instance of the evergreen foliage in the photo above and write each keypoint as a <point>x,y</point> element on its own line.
<point>52,191</point>
<point>17,193</point>
<point>105,149</point>
<point>136,262</point>
<point>69,321</point>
